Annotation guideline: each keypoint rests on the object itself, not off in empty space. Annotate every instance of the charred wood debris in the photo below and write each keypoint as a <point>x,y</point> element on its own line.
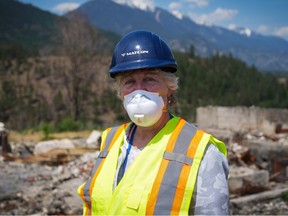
<point>42,178</point>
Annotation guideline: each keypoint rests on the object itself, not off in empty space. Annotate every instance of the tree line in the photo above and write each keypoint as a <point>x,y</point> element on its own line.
<point>219,80</point>
<point>225,81</point>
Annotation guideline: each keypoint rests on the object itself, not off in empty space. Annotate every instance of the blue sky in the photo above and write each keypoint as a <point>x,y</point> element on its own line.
<point>268,17</point>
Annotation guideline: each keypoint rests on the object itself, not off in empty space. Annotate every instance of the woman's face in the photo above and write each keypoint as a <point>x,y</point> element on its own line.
<point>148,80</point>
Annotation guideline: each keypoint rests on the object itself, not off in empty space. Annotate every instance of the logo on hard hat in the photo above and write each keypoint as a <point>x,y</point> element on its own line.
<point>136,52</point>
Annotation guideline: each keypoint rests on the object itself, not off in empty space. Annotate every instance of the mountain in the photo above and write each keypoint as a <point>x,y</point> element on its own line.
<point>26,25</point>
<point>267,53</point>
<point>32,29</point>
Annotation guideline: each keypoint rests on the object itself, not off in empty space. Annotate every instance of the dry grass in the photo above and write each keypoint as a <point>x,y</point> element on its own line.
<point>32,136</point>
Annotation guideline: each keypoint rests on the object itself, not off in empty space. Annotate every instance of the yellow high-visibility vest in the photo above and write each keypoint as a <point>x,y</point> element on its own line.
<point>161,179</point>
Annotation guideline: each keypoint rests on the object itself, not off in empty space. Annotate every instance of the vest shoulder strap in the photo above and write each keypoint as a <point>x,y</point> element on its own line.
<point>109,137</point>
<point>170,183</point>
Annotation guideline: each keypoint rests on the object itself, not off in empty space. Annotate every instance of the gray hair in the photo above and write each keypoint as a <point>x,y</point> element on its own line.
<point>170,79</point>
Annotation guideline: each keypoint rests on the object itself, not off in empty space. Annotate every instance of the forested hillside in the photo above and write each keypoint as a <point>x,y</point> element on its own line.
<point>27,26</point>
<point>29,31</point>
<point>37,91</point>
<point>223,80</point>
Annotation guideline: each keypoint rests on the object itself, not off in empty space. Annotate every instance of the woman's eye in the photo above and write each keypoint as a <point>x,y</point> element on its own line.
<point>127,82</point>
<point>149,79</point>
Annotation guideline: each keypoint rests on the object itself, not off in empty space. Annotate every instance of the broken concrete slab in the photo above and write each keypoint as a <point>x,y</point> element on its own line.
<point>273,156</point>
<point>243,180</point>
<point>46,146</point>
<point>94,139</point>
<point>259,196</point>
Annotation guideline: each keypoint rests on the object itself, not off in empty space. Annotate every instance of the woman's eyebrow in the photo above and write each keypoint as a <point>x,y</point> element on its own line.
<point>152,73</point>
<point>126,77</point>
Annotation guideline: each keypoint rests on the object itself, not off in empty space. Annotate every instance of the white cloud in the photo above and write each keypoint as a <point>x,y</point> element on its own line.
<point>232,27</point>
<point>282,32</point>
<point>177,14</point>
<point>66,7</point>
<point>175,6</point>
<point>262,29</point>
<point>141,4</point>
<point>218,15</point>
<point>246,31</point>
<point>199,3</point>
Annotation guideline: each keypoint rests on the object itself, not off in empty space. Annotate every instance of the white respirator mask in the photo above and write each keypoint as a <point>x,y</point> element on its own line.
<point>144,108</point>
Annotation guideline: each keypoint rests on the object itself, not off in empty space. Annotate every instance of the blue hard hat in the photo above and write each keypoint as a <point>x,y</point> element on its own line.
<point>142,49</point>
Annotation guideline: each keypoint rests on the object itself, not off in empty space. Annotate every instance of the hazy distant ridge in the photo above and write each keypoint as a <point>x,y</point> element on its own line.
<point>267,53</point>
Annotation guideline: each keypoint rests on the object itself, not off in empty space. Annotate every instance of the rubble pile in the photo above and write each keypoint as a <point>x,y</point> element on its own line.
<point>258,179</point>
<point>42,178</point>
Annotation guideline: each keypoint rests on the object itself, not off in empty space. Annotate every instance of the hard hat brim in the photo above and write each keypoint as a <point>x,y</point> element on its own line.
<point>167,66</point>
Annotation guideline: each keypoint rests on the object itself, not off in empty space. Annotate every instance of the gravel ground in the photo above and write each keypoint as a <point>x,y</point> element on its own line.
<point>269,207</point>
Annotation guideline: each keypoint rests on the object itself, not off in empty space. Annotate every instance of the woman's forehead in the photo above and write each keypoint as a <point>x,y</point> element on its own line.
<point>142,71</point>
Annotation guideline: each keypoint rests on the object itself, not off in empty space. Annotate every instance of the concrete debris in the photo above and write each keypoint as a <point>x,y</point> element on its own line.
<point>94,138</point>
<point>46,146</point>
<point>257,141</point>
<point>42,178</point>
<point>247,180</point>
<point>272,202</point>
<point>41,189</point>
<point>281,129</point>
<point>260,196</point>
<point>242,119</point>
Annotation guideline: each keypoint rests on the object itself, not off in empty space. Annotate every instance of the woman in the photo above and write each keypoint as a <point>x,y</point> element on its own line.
<point>158,164</point>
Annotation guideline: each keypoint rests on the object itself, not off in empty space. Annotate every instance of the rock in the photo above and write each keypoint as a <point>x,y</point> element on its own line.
<point>46,146</point>
<point>93,139</point>
<point>71,198</point>
<point>243,180</point>
<point>275,153</point>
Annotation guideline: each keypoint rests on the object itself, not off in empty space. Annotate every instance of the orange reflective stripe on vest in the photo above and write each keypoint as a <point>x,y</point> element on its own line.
<point>169,186</point>
<point>109,140</point>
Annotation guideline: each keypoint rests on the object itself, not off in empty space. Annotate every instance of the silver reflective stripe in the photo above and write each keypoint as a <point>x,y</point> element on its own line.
<point>170,179</point>
<point>102,155</point>
<point>178,157</point>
